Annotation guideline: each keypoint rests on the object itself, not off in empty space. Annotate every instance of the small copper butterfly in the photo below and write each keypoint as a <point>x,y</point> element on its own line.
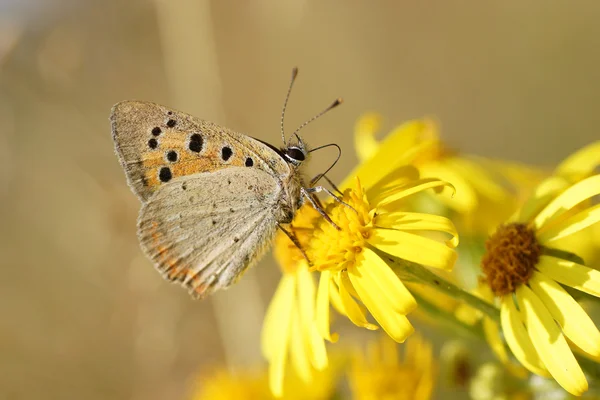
<point>212,199</point>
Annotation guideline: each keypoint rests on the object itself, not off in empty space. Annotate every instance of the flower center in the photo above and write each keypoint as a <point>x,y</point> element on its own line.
<point>511,256</point>
<point>333,249</point>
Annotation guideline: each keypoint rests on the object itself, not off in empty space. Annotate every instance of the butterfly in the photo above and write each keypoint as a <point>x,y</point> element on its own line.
<point>212,198</point>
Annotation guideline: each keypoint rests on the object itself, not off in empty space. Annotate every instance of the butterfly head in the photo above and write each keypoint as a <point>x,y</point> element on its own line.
<point>296,153</point>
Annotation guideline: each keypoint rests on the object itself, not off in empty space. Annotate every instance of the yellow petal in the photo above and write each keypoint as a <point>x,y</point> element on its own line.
<point>575,322</point>
<point>395,194</point>
<point>482,181</point>
<point>581,163</point>
<point>306,295</point>
<point>353,311</point>
<point>542,195</point>
<point>392,152</point>
<point>467,314</point>
<point>399,176</point>
<point>319,358</point>
<point>570,225</point>
<point>276,332</point>
<point>407,221</point>
<point>571,274</point>
<point>517,338</point>
<point>464,200</point>
<point>322,307</point>
<point>491,331</point>
<point>550,344</point>
<point>410,134</point>
<point>492,335</point>
<point>579,351</point>
<point>413,248</point>
<point>306,306</point>
<point>522,177</point>
<point>572,196</point>
<point>396,325</point>
<point>334,297</point>
<point>365,143</point>
<point>378,275</point>
<point>278,311</point>
<point>298,349</point>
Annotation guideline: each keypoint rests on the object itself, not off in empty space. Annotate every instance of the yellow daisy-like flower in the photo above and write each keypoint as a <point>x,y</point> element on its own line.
<point>348,255</point>
<point>485,190</point>
<point>222,384</point>
<point>383,375</point>
<point>252,384</point>
<point>289,327</point>
<point>520,269</point>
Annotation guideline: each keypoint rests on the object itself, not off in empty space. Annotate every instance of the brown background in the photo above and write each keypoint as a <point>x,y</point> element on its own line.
<point>82,312</point>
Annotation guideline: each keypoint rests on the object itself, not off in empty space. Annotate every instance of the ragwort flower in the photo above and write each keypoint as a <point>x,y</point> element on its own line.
<point>383,374</point>
<point>252,384</point>
<point>351,257</point>
<point>485,189</point>
<point>527,277</point>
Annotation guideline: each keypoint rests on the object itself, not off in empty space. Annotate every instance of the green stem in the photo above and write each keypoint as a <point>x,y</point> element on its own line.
<point>449,319</point>
<point>417,273</point>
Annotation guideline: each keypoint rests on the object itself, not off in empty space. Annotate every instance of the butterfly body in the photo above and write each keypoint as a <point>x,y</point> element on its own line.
<point>212,198</point>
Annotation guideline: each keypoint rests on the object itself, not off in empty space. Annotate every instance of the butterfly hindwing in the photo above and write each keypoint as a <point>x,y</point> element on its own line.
<point>205,229</point>
<point>156,144</point>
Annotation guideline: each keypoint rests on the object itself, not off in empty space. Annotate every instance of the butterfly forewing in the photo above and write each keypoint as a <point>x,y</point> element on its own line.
<point>156,145</point>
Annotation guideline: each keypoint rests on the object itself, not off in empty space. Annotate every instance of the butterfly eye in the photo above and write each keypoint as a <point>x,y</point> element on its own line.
<point>295,154</point>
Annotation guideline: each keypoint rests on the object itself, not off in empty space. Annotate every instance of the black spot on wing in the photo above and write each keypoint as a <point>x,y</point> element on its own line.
<point>196,143</point>
<point>226,153</point>
<point>165,174</point>
<point>172,156</point>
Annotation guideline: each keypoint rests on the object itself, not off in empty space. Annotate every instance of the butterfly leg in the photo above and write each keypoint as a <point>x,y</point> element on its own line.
<point>307,192</point>
<point>294,240</point>
<point>319,176</point>
<point>318,189</point>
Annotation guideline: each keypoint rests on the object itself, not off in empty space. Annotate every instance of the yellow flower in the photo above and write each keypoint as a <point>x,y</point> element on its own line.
<point>289,326</point>
<point>222,384</point>
<point>480,199</point>
<point>524,273</point>
<point>349,257</point>
<point>384,375</point>
<point>252,384</point>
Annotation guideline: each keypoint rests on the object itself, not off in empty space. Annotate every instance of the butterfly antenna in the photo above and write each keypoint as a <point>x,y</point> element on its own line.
<point>287,96</point>
<point>333,105</point>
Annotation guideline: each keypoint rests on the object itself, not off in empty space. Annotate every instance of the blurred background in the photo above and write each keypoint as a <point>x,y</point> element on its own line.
<point>83,313</point>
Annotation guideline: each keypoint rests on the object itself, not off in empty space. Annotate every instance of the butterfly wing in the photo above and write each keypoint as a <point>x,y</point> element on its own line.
<point>156,144</point>
<point>204,230</point>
